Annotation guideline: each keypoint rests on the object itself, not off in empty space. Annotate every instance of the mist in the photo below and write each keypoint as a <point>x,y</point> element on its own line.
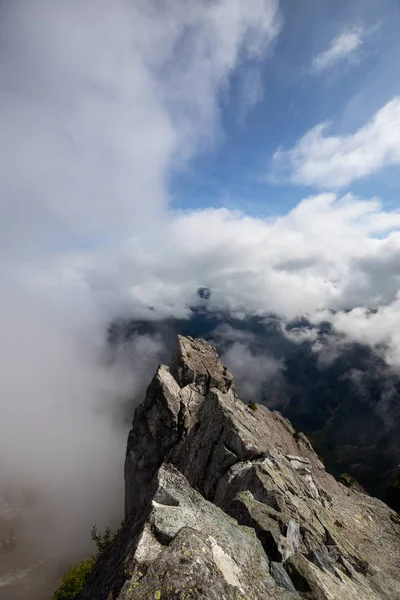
<point>66,406</point>
<point>256,375</point>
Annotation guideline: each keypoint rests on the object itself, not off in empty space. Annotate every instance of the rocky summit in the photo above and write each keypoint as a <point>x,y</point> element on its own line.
<point>226,501</point>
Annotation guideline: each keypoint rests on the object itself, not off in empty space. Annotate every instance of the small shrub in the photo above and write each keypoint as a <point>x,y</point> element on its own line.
<point>74,580</point>
<point>252,405</point>
<point>393,492</point>
<point>102,540</point>
<point>347,480</point>
<point>395,481</point>
<point>338,523</point>
<point>395,518</point>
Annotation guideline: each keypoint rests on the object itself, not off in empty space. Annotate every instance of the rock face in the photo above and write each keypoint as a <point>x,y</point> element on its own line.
<point>226,501</point>
<point>9,521</point>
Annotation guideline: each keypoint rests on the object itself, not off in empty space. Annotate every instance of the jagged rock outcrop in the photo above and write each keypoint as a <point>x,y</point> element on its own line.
<point>227,501</point>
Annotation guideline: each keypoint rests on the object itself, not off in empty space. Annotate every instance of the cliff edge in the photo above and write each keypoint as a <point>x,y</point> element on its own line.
<point>226,501</point>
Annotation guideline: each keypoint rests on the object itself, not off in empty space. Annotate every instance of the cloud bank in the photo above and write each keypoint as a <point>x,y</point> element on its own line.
<point>327,257</point>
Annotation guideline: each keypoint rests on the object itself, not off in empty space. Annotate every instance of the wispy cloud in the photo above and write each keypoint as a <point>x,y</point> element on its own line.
<point>326,161</point>
<point>341,47</point>
<point>251,92</point>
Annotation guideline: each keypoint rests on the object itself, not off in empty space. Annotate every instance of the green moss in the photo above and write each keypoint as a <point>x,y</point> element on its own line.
<point>347,480</point>
<point>252,405</point>
<point>338,523</point>
<point>395,518</point>
<point>74,580</point>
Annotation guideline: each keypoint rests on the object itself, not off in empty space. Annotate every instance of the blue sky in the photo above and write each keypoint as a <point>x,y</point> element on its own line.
<point>294,97</point>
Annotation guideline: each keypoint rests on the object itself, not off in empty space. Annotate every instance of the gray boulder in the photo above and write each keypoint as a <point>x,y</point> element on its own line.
<point>179,545</point>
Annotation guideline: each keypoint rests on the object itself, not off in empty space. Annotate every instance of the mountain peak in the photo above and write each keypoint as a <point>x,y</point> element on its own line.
<point>227,501</point>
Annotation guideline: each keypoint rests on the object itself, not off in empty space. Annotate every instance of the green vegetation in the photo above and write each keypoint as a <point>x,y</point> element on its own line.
<point>347,480</point>
<point>395,480</point>
<point>338,523</point>
<point>74,580</point>
<point>252,405</point>
<point>102,540</point>
<point>395,518</point>
<point>393,492</point>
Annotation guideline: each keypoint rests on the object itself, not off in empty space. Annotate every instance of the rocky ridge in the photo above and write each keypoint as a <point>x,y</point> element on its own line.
<point>227,501</point>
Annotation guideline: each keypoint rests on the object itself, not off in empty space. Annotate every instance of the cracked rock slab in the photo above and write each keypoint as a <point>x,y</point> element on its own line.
<point>184,548</point>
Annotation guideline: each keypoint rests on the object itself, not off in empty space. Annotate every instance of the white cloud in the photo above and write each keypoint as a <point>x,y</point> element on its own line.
<point>341,47</point>
<point>379,328</point>
<point>325,161</point>
<point>328,254</point>
<point>251,92</point>
<point>98,104</point>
